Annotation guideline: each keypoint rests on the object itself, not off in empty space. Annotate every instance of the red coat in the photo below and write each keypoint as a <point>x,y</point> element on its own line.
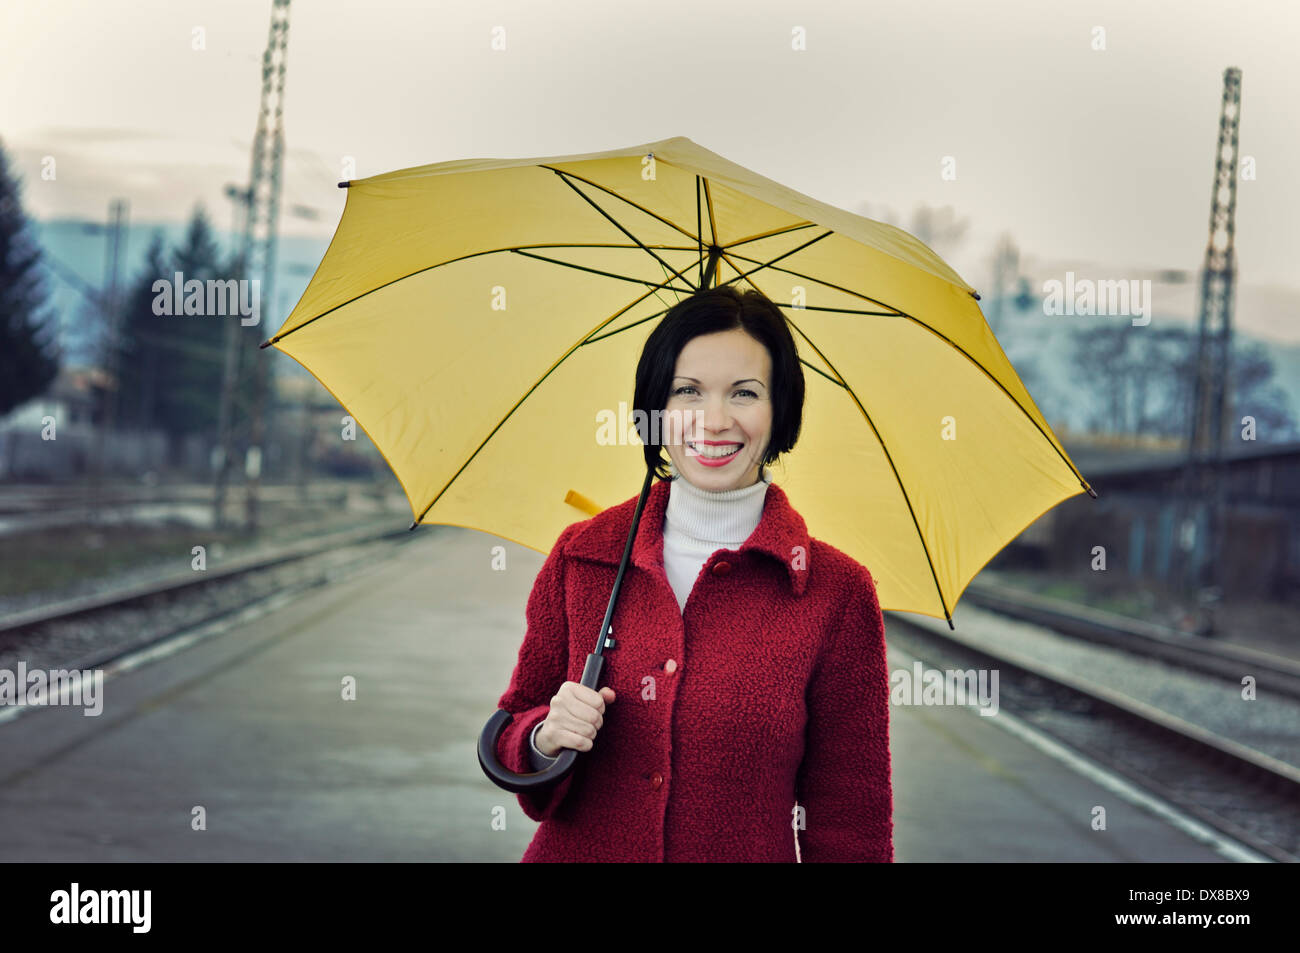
<point>780,693</point>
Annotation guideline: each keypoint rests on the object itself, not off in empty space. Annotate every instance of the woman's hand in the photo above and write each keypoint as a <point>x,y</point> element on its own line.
<point>577,712</point>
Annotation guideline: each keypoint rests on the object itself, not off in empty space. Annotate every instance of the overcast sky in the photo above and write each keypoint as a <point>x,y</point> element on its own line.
<point>1093,159</point>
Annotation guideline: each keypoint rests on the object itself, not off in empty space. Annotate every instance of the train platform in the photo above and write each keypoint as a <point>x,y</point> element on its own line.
<point>240,743</point>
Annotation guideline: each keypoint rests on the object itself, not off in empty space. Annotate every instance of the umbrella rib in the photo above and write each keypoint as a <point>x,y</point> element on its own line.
<point>599,245</point>
<point>625,327</point>
<point>622,198</point>
<point>586,198</point>
<point>452,261</point>
<point>813,307</point>
<point>651,317</point>
<point>768,264</point>
<point>708,201</point>
<point>897,312</point>
<point>822,373</point>
<point>606,274</point>
<point>713,221</point>
<point>699,236</point>
<point>699,231</point>
<point>828,284</point>
<point>771,234</point>
<point>639,321</point>
<point>563,357</point>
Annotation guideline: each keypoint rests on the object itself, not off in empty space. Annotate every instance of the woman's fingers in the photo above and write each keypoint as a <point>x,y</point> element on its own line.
<point>570,739</point>
<point>580,724</point>
<point>577,714</point>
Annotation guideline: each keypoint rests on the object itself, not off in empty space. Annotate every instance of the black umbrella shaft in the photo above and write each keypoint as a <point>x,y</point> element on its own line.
<point>601,642</point>
<point>714,253</point>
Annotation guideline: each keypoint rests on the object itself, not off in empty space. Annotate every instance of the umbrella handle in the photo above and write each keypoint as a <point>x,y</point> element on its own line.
<point>502,776</point>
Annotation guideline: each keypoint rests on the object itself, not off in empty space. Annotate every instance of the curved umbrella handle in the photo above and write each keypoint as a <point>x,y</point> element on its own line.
<point>502,776</point>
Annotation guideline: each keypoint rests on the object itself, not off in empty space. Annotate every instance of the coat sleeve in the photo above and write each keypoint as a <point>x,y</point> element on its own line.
<point>541,669</point>
<point>844,782</point>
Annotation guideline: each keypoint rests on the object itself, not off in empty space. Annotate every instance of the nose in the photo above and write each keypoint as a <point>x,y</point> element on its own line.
<point>716,419</point>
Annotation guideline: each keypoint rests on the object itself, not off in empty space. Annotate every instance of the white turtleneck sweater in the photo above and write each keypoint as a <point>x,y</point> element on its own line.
<point>697,523</point>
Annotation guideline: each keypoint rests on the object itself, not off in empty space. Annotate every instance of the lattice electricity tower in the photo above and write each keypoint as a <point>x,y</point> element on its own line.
<point>257,262</point>
<point>1211,393</point>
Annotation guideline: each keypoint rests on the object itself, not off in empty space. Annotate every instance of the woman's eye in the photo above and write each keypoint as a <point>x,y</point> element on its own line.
<point>687,387</point>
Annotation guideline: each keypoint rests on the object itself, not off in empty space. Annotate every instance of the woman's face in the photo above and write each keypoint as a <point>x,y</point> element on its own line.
<point>719,398</point>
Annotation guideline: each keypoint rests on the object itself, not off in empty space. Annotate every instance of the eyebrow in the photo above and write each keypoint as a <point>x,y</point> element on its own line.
<point>745,381</point>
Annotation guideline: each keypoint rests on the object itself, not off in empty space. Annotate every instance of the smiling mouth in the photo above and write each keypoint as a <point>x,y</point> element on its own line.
<point>720,452</point>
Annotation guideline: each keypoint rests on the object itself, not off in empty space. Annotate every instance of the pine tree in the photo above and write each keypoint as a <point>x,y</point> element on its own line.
<point>171,363</point>
<point>28,357</point>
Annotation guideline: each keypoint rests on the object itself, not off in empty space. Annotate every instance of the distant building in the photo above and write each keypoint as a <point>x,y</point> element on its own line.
<point>65,413</point>
<point>1147,536</point>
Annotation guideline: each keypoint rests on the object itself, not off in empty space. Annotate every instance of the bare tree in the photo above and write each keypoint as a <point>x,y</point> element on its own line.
<point>1101,357</point>
<point>1139,381</point>
<point>1256,394</point>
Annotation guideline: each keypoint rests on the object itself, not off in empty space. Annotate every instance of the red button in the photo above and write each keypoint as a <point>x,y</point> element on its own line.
<point>721,567</point>
<point>656,780</point>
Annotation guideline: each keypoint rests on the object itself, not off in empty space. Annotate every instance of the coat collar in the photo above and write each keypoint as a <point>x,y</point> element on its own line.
<point>780,530</point>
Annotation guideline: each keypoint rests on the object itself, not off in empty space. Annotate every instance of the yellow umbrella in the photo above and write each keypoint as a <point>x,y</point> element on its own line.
<point>481,320</point>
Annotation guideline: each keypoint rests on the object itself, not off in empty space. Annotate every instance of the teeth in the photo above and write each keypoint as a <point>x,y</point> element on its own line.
<point>715,452</point>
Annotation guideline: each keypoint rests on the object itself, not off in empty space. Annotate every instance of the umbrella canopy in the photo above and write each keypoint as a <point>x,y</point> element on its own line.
<point>482,320</point>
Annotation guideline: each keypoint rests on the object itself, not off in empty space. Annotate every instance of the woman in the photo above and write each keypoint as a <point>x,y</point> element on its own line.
<point>745,704</point>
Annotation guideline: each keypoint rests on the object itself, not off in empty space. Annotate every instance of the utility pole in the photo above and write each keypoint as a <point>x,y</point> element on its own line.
<point>230,368</point>
<point>1203,483</point>
<point>114,253</point>
<point>262,228</point>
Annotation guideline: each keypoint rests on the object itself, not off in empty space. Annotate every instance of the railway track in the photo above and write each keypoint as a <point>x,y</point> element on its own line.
<point>27,509</point>
<point>91,631</point>
<point>26,497</point>
<point>1244,793</point>
<point>1189,652</point>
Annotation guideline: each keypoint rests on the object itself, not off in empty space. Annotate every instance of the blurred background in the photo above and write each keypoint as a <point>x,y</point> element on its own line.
<point>1030,145</point>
